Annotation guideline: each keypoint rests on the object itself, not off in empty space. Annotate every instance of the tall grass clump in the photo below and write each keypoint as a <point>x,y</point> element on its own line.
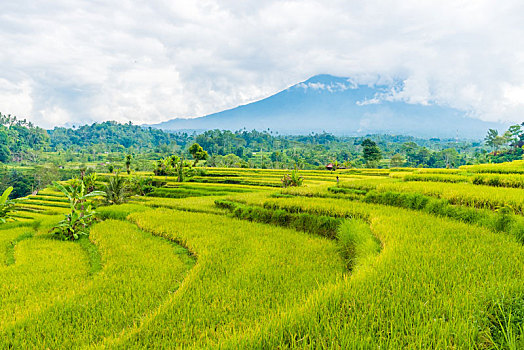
<point>356,242</point>
<point>317,224</point>
<point>506,322</point>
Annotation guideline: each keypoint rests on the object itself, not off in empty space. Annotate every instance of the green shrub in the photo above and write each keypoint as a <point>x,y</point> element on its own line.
<point>506,322</point>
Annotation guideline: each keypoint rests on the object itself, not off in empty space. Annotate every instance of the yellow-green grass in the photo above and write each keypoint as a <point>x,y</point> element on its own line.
<point>47,203</point>
<point>515,167</point>
<point>48,198</point>
<point>41,208</point>
<point>196,204</point>
<point>437,171</point>
<point>495,180</point>
<point>246,275</point>
<point>139,273</point>
<point>478,196</point>
<point>45,271</point>
<point>439,177</point>
<point>430,287</point>
<point>211,186</point>
<point>499,180</point>
<point>51,192</point>
<point>189,190</point>
<point>7,236</point>
<point>261,286</point>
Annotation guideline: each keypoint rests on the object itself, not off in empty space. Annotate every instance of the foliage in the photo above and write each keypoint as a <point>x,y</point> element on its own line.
<point>396,160</point>
<point>371,153</point>
<point>141,185</point>
<point>506,317</point>
<point>110,136</point>
<point>76,224</point>
<point>197,152</point>
<point>292,180</point>
<point>116,190</point>
<point>320,225</point>
<point>89,181</point>
<point>20,139</point>
<point>171,166</point>
<point>110,142</point>
<point>180,170</point>
<point>508,146</point>
<point>6,206</point>
<point>128,164</point>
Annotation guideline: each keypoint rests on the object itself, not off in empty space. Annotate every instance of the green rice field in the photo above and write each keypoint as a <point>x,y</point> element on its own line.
<point>399,258</point>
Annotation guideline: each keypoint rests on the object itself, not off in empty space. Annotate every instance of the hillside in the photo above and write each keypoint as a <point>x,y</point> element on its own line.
<point>357,258</point>
<point>335,104</point>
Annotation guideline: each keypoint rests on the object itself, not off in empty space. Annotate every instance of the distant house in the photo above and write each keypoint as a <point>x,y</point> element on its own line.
<point>333,167</point>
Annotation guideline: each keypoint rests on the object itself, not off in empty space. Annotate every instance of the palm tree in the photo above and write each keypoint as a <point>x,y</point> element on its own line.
<point>128,164</point>
<point>116,190</point>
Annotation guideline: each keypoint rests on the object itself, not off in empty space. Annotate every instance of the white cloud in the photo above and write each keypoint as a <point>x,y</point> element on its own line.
<point>331,87</point>
<point>148,61</point>
<point>15,98</point>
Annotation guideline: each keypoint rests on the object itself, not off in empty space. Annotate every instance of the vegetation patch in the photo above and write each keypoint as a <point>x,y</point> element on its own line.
<point>321,225</point>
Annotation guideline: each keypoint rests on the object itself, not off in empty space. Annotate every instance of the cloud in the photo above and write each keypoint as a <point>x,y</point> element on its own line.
<point>148,61</point>
<point>331,87</point>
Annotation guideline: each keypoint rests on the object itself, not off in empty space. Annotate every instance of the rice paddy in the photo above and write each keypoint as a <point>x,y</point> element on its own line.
<point>357,258</point>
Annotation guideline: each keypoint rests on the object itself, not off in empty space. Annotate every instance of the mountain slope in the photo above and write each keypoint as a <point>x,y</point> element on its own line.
<point>334,104</point>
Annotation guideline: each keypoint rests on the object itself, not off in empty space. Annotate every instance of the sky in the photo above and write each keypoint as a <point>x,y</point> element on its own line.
<point>68,62</point>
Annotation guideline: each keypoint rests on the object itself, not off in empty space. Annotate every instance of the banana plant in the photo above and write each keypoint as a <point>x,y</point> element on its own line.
<point>82,216</point>
<point>76,193</point>
<point>76,224</point>
<point>6,205</point>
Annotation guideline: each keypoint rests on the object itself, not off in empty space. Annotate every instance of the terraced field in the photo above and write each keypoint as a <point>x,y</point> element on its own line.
<point>400,258</point>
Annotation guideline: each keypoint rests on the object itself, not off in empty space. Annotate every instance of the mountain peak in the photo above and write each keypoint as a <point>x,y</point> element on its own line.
<point>327,79</point>
<point>338,105</point>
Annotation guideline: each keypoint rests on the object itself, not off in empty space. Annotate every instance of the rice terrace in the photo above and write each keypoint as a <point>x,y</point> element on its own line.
<point>395,258</point>
<point>277,174</point>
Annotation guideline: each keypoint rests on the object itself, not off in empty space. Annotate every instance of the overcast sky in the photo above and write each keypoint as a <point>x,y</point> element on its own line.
<point>75,62</point>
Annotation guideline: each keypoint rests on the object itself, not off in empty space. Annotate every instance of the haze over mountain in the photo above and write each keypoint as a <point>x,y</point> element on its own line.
<point>337,105</point>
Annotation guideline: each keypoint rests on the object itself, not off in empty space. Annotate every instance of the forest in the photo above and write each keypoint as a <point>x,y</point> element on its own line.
<point>31,157</point>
